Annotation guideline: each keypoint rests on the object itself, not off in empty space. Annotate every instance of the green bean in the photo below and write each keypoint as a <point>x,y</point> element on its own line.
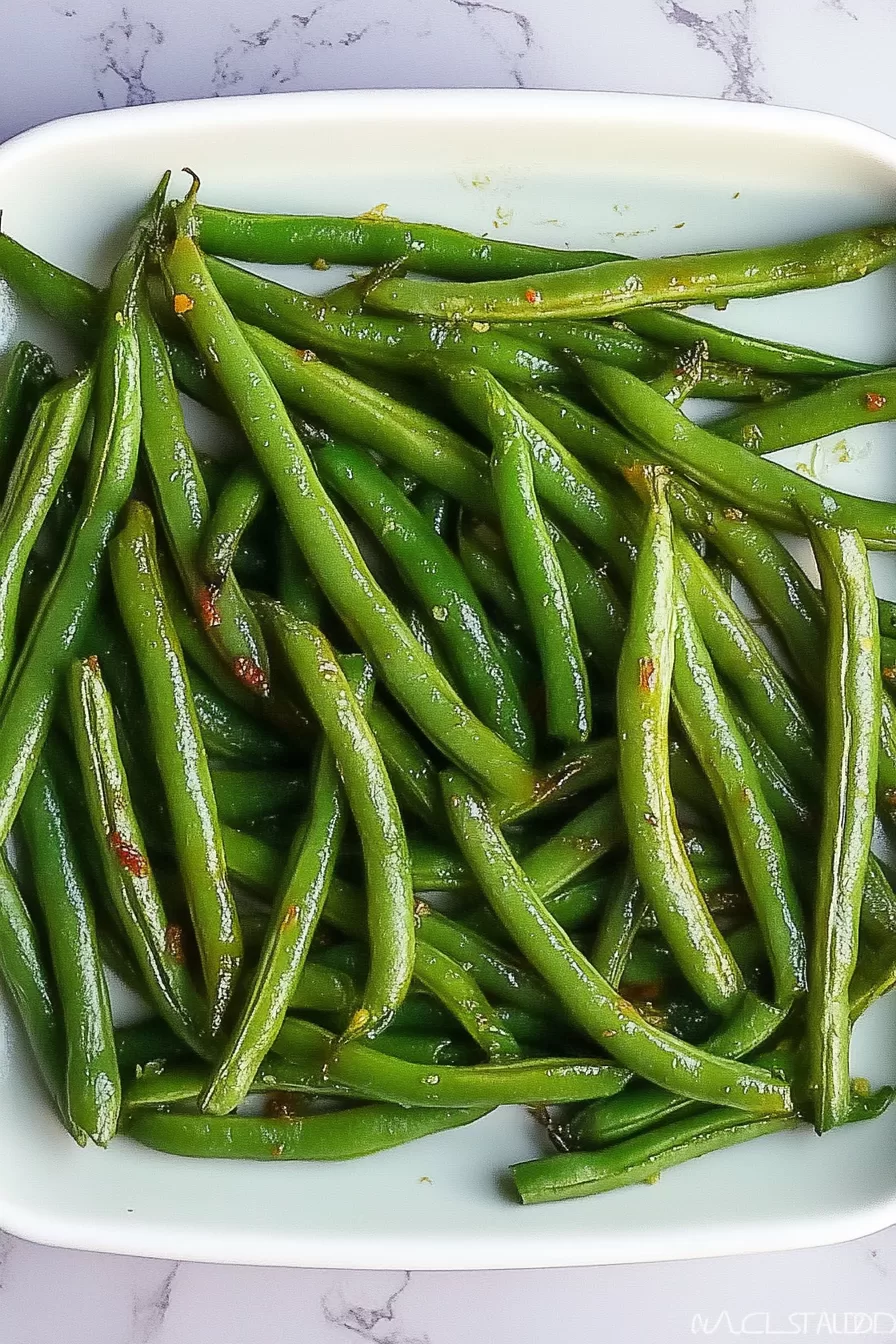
<point>721,381</point>
<point>29,373</point>
<point>296,911</point>
<point>372,803</point>
<point>184,511</point>
<point>33,483</point>
<point>229,732</point>
<point>485,563</point>
<point>456,989</point>
<point>323,989</point>
<point>679,379</point>
<point>236,508</point>
<point>641,1158</point>
<point>372,239</point>
<point>180,753</point>
<point>155,943</point>
<point>587,997</point>
<point>418,1049</point>
<point>757,352</point>
<point>335,1136</point>
<point>613,287</point>
<point>725,758</point>
<point>577,770</point>
<point>863,399</point>
<point>434,575</point>
<point>577,846</point>
<point>328,546</point>
<point>350,408</point>
<point>596,607</point>
<point>296,588</point>
<point>786,799</point>
<point>853,697</point>
<point>527,1081</point>
<point>413,774</point>
<point>31,992</point>
<point>644,688</point>
<point>618,927</point>
<point>538,572</point>
<point>144,1043</point>
<point>247,795</point>
<point>92,1082</point>
<point>67,607</point>
<point>384,342</point>
<point>778,496</point>
<point>80,308</point>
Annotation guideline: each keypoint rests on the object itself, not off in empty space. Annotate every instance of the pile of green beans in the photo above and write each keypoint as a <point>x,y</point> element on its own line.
<point>427,760</point>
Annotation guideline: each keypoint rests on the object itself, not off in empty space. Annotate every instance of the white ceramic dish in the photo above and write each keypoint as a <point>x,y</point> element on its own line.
<point>643,174</point>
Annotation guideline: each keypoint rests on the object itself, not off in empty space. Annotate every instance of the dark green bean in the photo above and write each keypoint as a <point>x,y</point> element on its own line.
<point>853,698</point>
<point>594,832</point>
<point>414,776</point>
<point>296,588</point>
<point>229,732</point>
<point>757,352</point>
<point>180,753</point>
<point>247,795</point>
<point>373,239</point>
<point>456,989</point>
<point>29,373</point>
<point>92,1082</point>
<point>618,927</point>
<point>613,287</point>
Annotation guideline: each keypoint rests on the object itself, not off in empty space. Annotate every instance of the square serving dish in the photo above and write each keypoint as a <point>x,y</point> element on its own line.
<point>634,173</point>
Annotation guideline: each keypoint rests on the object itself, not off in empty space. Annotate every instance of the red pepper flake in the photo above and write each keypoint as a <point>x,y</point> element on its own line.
<point>182,304</point>
<point>129,857</point>
<point>206,599</point>
<point>174,943</point>
<point>646,674</point>
<point>292,914</point>
<point>250,674</point>
<point>875,401</point>
<point>532,296</point>
<point>93,663</point>
<point>276,1150</point>
<point>890,797</point>
<point>734,515</point>
<point>306,356</point>
<point>888,673</point>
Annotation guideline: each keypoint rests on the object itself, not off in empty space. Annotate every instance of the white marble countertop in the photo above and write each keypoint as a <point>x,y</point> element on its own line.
<point>62,56</point>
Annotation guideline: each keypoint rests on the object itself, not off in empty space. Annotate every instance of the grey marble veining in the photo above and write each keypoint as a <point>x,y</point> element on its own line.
<point>80,55</point>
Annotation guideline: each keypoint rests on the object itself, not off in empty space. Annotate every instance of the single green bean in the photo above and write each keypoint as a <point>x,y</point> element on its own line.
<point>296,588</point>
<point>92,1081</point>
<point>853,699</point>
<point>247,795</point>
<point>181,756</point>
<point>335,1136</point>
<point>863,399</point>
<point>756,352</point>
<point>618,927</point>
<point>456,989</point>
<point>613,287</point>
<point>237,507</point>
<point>373,239</point>
<point>414,776</point>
